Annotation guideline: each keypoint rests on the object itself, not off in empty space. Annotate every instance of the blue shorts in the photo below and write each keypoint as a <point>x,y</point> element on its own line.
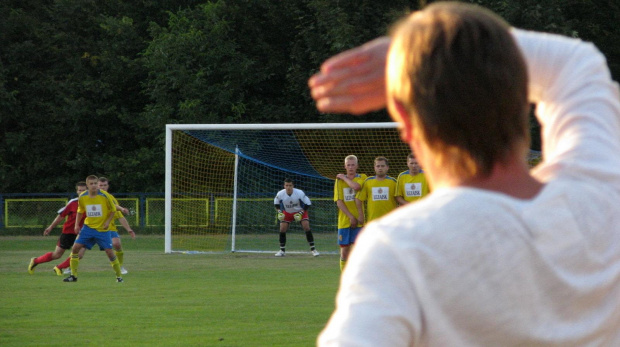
<point>347,236</point>
<point>89,237</point>
<point>113,234</point>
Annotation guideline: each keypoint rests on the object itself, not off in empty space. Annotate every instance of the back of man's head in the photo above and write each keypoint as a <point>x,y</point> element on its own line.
<point>457,71</point>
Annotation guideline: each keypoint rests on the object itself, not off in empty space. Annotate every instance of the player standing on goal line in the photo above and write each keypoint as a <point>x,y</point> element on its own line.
<point>496,255</point>
<point>346,187</point>
<point>292,204</point>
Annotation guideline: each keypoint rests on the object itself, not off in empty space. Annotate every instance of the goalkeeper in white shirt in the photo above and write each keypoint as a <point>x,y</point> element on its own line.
<point>497,255</point>
<point>292,205</point>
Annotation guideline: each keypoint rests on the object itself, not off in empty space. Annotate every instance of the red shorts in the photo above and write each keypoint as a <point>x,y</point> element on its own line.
<point>290,217</point>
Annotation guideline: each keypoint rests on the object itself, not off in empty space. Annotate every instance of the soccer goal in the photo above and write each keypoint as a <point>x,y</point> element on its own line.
<point>221,180</point>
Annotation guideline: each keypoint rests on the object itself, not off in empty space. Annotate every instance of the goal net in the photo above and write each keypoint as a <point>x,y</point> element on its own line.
<point>221,180</point>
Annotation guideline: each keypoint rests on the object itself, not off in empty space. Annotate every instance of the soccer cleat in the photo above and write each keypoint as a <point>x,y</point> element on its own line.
<point>57,271</point>
<point>315,253</point>
<point>119,279</point>
<point>70,279</point>
<point>31,266</point>
<point>123,271</point>
<point>66,271</point>
<point>280,253</point>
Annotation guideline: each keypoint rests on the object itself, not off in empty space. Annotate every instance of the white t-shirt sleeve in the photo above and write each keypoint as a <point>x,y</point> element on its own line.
<point>578,106</point>
<point>305,199</point>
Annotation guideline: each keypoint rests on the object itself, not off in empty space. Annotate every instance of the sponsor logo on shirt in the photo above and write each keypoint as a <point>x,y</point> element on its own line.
<point>380,193</point>
<point>291,205</point>
<point>349,194</point>
<point>94,211</point>
<point>413,189</point>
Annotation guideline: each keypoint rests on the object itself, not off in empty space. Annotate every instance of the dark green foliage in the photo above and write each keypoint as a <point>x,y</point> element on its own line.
<point>86,87</point>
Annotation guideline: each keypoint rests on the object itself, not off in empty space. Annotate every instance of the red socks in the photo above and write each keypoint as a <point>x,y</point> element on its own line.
<point>44,258</point>
<point>65,264</point>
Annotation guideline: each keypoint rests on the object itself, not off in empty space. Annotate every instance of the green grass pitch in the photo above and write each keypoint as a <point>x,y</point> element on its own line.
<point>240,299</point>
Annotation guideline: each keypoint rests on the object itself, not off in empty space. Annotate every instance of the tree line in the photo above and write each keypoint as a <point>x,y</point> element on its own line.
<point>86,87</point>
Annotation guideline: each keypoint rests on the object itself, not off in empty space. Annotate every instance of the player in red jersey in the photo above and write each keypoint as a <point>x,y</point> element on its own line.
<point>66,239</point>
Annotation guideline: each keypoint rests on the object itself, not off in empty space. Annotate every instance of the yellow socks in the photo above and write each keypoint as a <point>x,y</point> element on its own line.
<point>342,264</point>
<point>73,263</point>
<point>116,266</point>
<point>119,256</point>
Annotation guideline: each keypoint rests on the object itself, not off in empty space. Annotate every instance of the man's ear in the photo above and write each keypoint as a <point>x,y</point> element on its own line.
<point>399,115</point>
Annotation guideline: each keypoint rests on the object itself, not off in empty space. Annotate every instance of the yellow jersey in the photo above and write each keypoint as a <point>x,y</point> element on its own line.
<point>412,187</point>
<point>96,209</point>
<point>118,214</point>
<point>343,192</point>
<point>379,196</point>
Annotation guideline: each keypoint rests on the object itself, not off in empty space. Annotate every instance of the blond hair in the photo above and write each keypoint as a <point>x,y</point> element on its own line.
<point>350,157</point>
<point>92,178</point>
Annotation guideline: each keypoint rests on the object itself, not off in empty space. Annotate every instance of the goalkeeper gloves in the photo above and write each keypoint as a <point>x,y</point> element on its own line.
<point>298,216</point>
<point>280,216</point>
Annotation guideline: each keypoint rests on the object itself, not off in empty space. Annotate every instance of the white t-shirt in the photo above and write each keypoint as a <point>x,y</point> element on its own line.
<point>470,267</point>
<point>292,203</point>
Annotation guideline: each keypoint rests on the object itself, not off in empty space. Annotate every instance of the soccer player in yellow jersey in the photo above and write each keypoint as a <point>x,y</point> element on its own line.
<point>378,191</point>
<point>99,209</point>
<point>104,184</point>
<point>345,188</point>
<point>116,240</point>
<point>411,185</point>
